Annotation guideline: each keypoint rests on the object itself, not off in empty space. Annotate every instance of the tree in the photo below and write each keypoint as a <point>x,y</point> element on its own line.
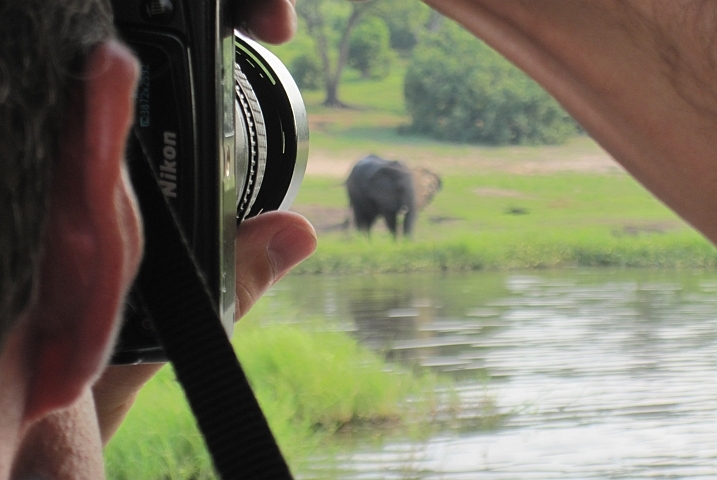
<point>307,72</point>
<point>370,49</point>
<point>459,89</point>
<point>406,19</point>
<point>330,22</point>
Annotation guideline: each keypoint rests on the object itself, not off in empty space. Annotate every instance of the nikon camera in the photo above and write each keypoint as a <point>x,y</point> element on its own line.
<point>222,124</point>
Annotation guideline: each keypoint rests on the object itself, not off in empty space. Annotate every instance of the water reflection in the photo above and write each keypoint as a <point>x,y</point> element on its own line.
<point>607,374</point>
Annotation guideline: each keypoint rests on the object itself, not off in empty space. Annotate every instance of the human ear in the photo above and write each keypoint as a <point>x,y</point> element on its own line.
<point>92,242</point>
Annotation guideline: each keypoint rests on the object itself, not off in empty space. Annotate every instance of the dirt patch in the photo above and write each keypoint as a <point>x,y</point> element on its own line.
<point>636,229</point>
<point>325,219</point>
<point>327,165</point>
<point>472,160</point>
<point>584,163</point>
<point>499,192</point>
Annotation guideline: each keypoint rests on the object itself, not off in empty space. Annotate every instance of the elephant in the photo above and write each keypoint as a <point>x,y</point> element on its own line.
<point>388,188</point>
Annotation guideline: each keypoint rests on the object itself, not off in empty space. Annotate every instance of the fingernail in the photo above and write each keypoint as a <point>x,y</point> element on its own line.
<point>289,247</point>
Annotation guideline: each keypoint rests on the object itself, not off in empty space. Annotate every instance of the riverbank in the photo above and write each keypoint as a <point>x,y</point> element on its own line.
<point>511,207</point>
<point>500,220</point>
<point>506,252</point>
<point>312,384</point>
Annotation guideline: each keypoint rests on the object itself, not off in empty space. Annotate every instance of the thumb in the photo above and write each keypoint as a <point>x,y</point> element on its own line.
<point>268,246</point>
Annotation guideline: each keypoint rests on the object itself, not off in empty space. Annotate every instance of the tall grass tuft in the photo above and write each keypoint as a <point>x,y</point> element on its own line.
<point>159,439</point>
<point>313,384</point>
<point>310,385</point>
<point>505,251</point>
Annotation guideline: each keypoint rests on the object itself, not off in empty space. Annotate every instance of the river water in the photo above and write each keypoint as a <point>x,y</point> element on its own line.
<point>602,373</point>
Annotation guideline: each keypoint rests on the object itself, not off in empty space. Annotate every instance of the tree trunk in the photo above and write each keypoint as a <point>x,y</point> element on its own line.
<point>333,80</point>
<point>332,94</point>
<point>311,12</point>
<point>434,22</point>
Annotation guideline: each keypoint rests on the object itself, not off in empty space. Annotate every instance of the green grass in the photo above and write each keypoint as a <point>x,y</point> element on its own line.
<point>313,385</point>
<point>159,438</point>
<point>602,218</point>
<point>494,252</point>
<point>310,384</point>
<point>562,220</point>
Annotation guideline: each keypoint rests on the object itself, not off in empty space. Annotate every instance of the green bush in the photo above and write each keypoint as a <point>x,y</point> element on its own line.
<point>459,89</point>
<point>370,48</point>
<point>405,20</point>
<point>310,383</point>
<point>307,71</point>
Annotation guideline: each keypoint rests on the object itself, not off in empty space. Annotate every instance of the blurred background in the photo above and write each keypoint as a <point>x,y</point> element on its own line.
<point>548,318</point>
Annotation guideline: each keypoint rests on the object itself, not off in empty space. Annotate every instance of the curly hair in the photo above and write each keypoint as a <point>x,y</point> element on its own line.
<point>43,44</point>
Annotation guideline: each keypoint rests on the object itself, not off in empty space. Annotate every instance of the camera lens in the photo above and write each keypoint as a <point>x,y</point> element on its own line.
<point>272,131</point>
<point>251,145</point>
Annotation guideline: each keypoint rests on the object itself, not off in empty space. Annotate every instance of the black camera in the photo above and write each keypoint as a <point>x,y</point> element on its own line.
<point>224,128</point>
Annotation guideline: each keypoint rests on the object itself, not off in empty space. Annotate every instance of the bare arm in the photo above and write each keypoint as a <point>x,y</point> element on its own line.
<point>639,75</point>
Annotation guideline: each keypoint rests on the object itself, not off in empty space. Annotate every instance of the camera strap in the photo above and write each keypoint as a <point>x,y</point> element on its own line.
<point>190,331</point>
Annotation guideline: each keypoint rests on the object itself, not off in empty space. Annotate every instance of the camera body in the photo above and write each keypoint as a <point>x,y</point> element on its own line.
<point>224,128</point>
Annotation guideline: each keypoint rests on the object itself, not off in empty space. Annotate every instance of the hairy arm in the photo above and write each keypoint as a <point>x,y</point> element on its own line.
<point>639,75</point>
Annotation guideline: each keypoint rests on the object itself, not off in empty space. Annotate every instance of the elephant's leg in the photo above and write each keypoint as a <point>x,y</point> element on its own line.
<point>391,222</point>
<point>364,220</point>
<point>408,221</point>
<point>363,224</point>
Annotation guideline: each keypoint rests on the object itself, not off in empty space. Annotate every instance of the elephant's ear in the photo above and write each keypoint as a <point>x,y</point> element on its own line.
<point>426,185</point>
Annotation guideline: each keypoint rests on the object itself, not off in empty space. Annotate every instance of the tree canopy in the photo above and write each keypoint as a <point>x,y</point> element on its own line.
<point>459,89</point>
<point>331,24</point>
<point>370,48</point>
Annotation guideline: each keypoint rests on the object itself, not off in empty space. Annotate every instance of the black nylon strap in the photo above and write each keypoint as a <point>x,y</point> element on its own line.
<point>190,331</point>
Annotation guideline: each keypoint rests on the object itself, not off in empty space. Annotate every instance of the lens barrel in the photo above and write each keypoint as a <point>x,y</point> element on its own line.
<point>272,150</point>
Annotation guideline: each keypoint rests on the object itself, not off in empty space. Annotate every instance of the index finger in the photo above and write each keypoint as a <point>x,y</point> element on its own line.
<point>271,21</point>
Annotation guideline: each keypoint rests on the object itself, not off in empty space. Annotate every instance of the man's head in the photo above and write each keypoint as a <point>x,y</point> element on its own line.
<point>43,47</point>
<point>70,235</point>
<point>70,240</point>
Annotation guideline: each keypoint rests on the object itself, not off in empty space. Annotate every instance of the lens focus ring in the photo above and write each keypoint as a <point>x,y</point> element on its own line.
<point>250,170</point>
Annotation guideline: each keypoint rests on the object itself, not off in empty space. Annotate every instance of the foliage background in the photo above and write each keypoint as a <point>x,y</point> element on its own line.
<point>530,220</point>
<point>459,89</point>
<point>455,87</point>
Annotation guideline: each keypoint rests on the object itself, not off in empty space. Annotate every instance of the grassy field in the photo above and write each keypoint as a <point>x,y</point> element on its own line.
<point>500,207</point>
<point>499,220</point>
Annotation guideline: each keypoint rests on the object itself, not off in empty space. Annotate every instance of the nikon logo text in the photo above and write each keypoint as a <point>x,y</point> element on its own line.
<point>168,168</point>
